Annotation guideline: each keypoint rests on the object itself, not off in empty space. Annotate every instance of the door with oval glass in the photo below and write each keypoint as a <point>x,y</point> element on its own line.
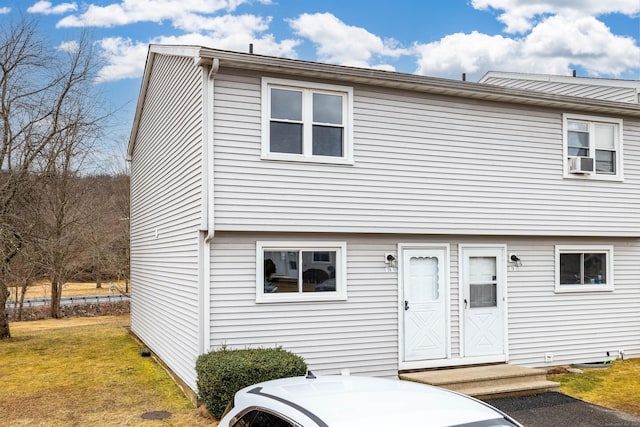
<point>483,295</point>
<point>425,296</point>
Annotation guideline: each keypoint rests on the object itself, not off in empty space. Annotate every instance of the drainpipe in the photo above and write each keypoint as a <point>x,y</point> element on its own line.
<point>210,68</point>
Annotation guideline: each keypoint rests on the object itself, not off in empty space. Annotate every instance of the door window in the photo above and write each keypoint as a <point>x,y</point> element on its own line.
<point>483,282</point>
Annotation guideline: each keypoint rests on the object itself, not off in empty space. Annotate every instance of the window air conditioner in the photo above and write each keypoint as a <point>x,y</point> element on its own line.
<point>581,165</point>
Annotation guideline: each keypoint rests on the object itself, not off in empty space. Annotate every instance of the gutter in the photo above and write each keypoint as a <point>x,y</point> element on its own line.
<point>304,69</point>
<point>210,67</point>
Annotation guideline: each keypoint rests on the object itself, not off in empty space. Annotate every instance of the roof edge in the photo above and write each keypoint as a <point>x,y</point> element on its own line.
<point>390,79</point>
<point>560,79</point>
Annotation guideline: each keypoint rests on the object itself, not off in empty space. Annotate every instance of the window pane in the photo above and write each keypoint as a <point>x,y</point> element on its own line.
<point>578,126</point>
<point>327,108</point>
<point>285,138</point>
<point>605,137</point>
<point>578,144</point>
<point>280,271</point>
<point>595,268</point>
<point>482,269</point>
<point>570,269</point>
<point>483,295</point>
<point>286,104</point>
<point>424,279</point>
<point>327,141</point>
<point>606,162</point>
<point>318,276</point>
<point>482,282</point>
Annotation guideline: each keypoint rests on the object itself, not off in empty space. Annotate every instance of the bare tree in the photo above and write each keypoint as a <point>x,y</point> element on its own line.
<point>46,115</point>
<point>109,245</point>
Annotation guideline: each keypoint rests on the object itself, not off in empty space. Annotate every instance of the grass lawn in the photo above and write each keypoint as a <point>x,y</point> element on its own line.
<point>617,387</point>
<point>71,289</point>
<point>84,371</point>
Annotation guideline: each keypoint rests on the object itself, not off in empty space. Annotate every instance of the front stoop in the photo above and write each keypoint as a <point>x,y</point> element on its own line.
<point>487,382</point>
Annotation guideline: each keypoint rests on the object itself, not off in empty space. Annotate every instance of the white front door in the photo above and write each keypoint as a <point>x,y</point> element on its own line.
<point>424,304</point>
<point>483,301</point>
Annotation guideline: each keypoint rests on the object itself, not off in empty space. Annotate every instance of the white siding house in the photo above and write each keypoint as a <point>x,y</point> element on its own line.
<point>606,89</point>
<point>378,221</point>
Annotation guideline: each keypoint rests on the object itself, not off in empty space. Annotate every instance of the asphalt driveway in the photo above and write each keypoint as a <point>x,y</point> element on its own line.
<point>557,409</point>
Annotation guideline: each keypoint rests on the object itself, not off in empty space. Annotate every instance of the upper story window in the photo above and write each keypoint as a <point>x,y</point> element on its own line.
<point>593,147</point>
<point>304,121</point>
<point>584,268</point>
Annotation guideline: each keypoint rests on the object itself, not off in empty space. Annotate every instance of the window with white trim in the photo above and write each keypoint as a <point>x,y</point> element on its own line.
<point>303,121</point>
<point>584,268</point>
<point>300,271</point>
<point>592,147</point>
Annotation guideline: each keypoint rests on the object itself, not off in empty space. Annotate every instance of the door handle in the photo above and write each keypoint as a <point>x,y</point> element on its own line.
<point>465,303</point>
<point>406,305</point>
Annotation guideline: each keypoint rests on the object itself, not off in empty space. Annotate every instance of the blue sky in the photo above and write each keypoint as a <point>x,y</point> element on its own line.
<point>598,38</point>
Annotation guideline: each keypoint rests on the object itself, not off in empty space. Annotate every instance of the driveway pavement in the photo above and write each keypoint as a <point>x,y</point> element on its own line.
<point>557,409</point>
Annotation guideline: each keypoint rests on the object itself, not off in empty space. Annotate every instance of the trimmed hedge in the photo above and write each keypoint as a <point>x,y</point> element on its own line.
<point>222,373</point>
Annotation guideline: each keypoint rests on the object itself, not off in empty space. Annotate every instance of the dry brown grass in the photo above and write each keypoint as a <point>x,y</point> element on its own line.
<point>71,289</point>
<point>84,371</point>
<point>617,387</point>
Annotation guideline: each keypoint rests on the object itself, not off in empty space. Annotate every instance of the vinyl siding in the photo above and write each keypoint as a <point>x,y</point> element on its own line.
<point>575,327</point>
<point>166,199</point>
<point>361,334</point>
<point>423,164</point>
<point>584,90</point>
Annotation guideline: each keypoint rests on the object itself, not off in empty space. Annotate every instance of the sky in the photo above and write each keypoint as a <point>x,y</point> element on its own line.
<point>439,38</point>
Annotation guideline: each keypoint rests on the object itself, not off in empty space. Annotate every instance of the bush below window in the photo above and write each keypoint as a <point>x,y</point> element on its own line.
<point>222,373</point>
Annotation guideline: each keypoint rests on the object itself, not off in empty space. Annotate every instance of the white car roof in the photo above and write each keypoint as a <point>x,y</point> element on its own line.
<point>339,401</point>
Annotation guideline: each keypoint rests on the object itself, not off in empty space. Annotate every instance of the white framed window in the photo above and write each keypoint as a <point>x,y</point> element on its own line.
<point>584,268</point>
<point>304,121</point>
<point>301,271</point>
<point>592,147</point>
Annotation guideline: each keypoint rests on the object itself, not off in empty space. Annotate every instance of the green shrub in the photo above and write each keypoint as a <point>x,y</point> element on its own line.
<point>222,373</point>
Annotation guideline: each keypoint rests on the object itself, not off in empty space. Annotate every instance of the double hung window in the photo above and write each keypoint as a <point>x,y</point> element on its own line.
<point>593,147</point>
<point>306,121</point>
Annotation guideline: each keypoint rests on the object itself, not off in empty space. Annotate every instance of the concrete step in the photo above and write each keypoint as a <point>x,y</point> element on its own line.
<point>512,390</point>
<point>487,381</point>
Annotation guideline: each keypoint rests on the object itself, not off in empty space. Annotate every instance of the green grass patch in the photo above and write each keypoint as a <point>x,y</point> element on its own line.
<point>62,372</point>
<point>617,387</point>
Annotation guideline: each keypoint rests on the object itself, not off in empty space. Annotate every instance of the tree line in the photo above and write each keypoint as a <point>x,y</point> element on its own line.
<point>57,222</point>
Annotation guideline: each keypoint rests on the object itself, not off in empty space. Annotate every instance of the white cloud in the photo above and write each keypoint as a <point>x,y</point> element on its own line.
<point>125,58</point>
<point>555,45</point>
<point>4,10</point>
<point>520,16</point>
<point>46,8</point>
<point>224,24</point>
<point>467,53</point>
<point>584,41</point>
<point>133,11</point>
<point>70,46</point>
<point>339,43</point>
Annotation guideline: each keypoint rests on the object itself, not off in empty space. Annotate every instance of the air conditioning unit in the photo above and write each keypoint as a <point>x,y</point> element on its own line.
<point>584,165</point>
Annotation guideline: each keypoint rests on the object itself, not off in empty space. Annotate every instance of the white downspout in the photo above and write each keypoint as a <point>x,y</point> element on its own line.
<point>209,70</point>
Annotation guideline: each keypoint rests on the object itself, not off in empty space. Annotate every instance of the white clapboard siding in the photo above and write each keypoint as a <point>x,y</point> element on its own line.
<point>165,215</point>
<point>361,334</point>
<point>575,327</point>
<point>618,94</point>
<point>604,89</point>
<point>423,164</point>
